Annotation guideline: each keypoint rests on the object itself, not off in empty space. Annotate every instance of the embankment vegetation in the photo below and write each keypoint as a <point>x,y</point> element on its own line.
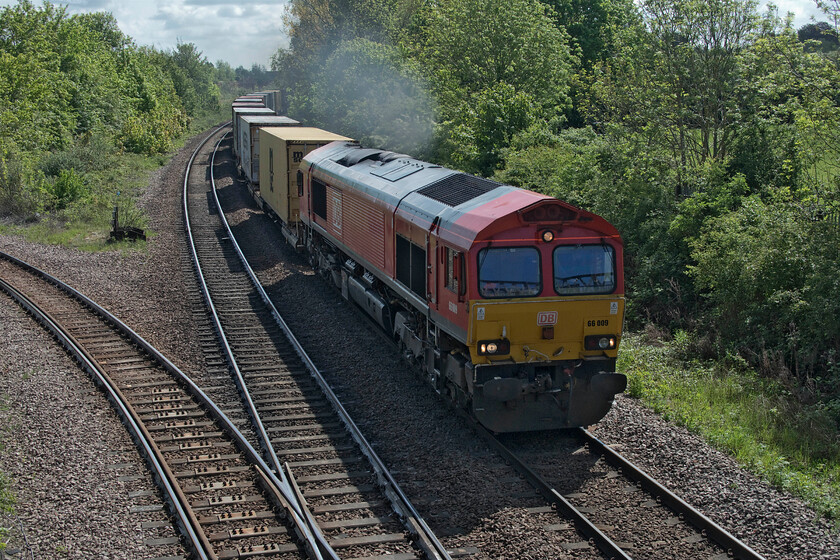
<point>86,114</point>
<point>707,132</point>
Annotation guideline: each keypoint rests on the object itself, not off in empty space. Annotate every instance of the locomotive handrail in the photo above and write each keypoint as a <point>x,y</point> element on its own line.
<point>428,541</point>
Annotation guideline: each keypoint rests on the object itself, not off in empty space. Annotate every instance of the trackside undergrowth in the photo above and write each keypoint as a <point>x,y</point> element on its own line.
<point>758,421</point>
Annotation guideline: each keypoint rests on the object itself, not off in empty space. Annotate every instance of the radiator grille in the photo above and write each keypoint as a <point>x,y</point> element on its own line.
<point>458,188</point>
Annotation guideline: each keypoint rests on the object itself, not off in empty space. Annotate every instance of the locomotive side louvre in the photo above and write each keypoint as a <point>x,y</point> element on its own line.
<point>404,250</point>
<point>249,141</point>
<point>282,150</point>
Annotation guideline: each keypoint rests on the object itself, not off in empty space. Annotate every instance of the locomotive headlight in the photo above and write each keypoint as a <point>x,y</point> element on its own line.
<point>493,347</point>
<point>600,342</point>
<point>548,236</point>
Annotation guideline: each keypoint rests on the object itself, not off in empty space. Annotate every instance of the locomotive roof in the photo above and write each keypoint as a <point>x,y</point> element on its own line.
<point>463,206</point>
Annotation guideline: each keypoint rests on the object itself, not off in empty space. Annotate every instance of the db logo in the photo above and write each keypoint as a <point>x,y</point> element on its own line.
<point>546,318</point>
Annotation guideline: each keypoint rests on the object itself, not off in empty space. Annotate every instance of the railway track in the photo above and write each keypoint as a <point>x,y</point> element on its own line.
<point>611,501</point>
<point>353,505</point>
<point>630,501</point>
<point>224,498</point>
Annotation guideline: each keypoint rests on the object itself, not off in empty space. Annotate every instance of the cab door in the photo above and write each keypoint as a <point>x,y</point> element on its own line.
<point>451,293</point>
<point>432,270</point>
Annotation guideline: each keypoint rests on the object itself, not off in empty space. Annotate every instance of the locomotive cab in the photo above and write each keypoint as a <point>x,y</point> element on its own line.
<point>546,311</point>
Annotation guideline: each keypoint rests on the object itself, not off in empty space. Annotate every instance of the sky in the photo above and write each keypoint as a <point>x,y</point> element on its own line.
<point>244,32</point>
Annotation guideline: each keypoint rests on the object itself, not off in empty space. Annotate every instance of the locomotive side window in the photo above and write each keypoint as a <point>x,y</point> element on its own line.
<point>584,269</point>
<point>319,198</point>
<point>509,272</point>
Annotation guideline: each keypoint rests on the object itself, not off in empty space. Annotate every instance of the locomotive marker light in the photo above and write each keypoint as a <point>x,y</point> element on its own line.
<point>600,342</point>
<point>548,236</point>
<point>493,347</point>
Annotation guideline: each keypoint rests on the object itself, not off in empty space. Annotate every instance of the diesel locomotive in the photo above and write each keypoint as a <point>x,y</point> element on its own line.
<point>510,302</point>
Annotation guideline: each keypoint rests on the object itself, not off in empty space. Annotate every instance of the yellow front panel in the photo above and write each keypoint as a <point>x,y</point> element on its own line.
<point>522,322</point>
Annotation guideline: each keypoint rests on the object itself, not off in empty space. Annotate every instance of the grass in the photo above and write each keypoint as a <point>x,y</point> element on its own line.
<point>113,179</point>
<point>792,446</point>
<point>7,502</point>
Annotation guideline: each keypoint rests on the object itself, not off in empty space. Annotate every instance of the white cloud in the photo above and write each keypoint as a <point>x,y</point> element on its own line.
<point>240,32</point>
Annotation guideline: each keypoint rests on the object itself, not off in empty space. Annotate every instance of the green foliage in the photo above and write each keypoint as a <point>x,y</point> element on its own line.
<point>77,98</point>
<point>478,138</point>
<point>153,132</point>
<point>20,186</point>
<point>592,24</point>
<point>759,422</point>
<point>7,502</point>
<point>193,78</point>
<point>495,68</point>
<point>769,273</point>
<point>69,186</point>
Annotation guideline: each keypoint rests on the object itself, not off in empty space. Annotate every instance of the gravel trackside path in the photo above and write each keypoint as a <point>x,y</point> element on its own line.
<point>65,450</point>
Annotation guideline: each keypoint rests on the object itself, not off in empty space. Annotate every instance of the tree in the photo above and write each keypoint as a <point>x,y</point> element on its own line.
<point>592,25</point>
<point>370,92</point>
<point>495,68</point>
<point>194,78</point>
<point>675,79</point>
<point>820,32</point>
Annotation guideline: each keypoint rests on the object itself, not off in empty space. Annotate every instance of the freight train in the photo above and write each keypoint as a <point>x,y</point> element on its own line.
<point>510,302</point>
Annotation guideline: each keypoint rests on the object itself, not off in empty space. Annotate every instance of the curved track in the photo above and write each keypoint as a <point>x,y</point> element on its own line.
<point>682,528</point>
<point>353,506</point>
<point>223,497</point>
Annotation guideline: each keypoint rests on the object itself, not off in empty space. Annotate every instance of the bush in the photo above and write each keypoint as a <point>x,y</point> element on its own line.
<point>770,276</point>
<point>89,153</point>
<point>153,133</point>
<point>19,187</point>
<point>67,188</point>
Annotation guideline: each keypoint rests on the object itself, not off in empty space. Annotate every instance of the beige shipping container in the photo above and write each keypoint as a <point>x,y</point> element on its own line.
<point>248,147</point>
<point>281,151</point>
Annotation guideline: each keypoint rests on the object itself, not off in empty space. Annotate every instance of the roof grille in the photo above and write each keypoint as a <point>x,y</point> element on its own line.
<point>458,188</point>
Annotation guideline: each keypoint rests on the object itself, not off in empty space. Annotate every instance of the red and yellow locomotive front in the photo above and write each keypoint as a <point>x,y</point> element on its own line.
<point>545,300</point>
<point>510,302</point>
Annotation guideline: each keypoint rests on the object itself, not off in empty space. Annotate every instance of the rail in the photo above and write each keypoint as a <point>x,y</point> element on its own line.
<point>317,544</point>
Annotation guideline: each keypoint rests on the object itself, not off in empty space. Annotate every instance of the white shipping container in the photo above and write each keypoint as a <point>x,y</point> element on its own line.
<point>238,113</point>
<point>249,141</point>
